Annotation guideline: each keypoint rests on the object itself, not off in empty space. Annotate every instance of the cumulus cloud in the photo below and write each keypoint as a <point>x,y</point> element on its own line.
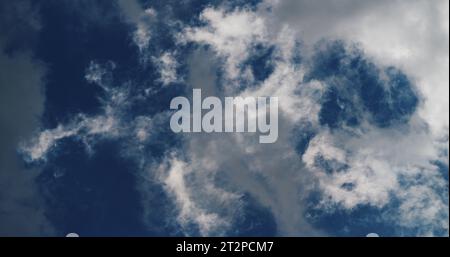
<point>352,166</point>
<point>365,168</point>
<point>230,34</point>
<point>360,121</point>
<point>271,173</point>
<point>411,35</point>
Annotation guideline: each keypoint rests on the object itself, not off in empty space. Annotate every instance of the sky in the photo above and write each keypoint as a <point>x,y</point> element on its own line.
<point>363,118</point>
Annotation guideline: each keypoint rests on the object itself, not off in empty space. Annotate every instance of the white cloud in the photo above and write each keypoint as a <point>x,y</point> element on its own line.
<point>375,159</point>
<point>411,35</point>
<point>173,174</point>
<point>99,73</point>
<point>422,208</point>
<point>167,65</point>
<point>83,127</point>
<point>142,19</point>
<point>229,33</point>
<point>370,159</point>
